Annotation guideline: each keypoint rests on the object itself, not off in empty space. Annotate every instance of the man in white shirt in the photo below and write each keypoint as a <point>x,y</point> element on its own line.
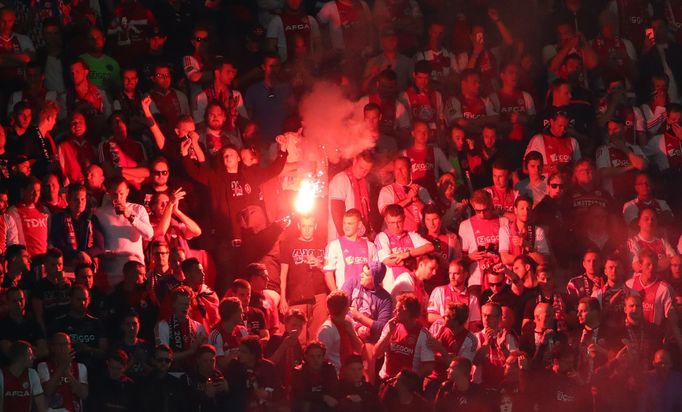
<point>396,245</point>
<point>338,329</point>
<point>413,281</point>
<point>345,257</point>
<point>349,189</point>
<point>123,227</point>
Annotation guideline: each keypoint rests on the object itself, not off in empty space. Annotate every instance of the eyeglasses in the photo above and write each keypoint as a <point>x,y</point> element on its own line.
<point>163,360</point>
<point>160,172</point>
<point>162,76</point>
<point>556,185</point>
<point>200,39</point>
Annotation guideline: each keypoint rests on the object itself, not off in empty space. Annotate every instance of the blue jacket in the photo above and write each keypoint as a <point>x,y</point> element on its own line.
<point>375,303</point>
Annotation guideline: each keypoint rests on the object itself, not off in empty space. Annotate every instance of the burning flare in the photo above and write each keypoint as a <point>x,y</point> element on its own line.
<point>305,199</point>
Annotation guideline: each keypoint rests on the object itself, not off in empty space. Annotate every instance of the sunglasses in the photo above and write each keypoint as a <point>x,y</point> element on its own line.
<point>480,211</point>
<point>160,172</point>
<point>556,185</point>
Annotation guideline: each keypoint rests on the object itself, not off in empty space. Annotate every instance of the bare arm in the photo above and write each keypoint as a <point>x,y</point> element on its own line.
<point>330,280</point>
<point>382,345</point>
<point>157,134</point>
<point>506,35</point>
<point>40,402</point>
<point>283,272</point>
<point>192,227</point>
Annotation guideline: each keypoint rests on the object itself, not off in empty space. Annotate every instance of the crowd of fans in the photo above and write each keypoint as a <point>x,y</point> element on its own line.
<point>506,238</point>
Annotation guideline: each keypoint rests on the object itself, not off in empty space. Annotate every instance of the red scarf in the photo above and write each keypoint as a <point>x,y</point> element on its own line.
<point>360,194</point>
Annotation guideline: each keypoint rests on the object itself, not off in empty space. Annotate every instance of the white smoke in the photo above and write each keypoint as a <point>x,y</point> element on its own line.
<point>331,120</point>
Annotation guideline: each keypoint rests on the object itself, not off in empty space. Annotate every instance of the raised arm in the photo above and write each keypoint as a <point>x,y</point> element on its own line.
<point>157,134</point>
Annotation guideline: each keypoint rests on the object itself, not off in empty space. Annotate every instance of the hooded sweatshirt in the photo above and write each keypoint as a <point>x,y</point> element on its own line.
<point>375,303</point>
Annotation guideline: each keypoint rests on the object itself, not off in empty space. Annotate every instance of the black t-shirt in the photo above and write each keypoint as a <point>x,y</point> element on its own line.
<point>55,299</point>
<point>87,330</point>
<point>303,283</point>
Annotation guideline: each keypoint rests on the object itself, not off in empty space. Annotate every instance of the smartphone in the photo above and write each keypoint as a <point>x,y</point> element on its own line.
<point>650,34</point>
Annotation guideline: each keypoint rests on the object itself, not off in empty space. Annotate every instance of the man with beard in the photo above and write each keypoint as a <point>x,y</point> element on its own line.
<point>219,129</point>
<point>221,91</point>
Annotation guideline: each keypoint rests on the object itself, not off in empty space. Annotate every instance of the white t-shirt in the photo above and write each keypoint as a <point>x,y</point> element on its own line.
<point>334,260</point>
<point>339,189</point>
<point>421,351</point>
<point>276,31</point>
<point>329,335</point>
<point>329,15</point>
<point>469,245</point>
<point>404,283</point>
<point>44,374</point>
<point>384,251</point>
